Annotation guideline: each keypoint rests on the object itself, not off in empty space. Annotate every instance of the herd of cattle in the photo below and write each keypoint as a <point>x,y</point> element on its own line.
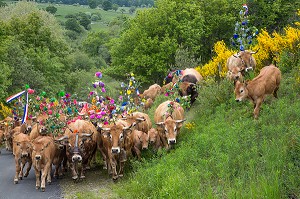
<point>128,135</point>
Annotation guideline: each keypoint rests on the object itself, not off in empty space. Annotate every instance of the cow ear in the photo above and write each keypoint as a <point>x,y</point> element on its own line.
<point>234,82</point>
<point>161,124</point>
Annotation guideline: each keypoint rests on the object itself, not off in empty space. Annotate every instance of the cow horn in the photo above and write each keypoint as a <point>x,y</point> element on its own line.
<point>62,138</point>
<point>104,129</point>
<point>254,52</point>
<point>179,121</point>
<point>140,119</point>
<point>87,134</point>
<point>160,123</point>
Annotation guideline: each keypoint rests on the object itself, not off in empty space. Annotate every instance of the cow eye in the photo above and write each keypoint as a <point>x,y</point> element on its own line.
<point>110,136</point>
<point>241,90</point>
<point>121,136</point>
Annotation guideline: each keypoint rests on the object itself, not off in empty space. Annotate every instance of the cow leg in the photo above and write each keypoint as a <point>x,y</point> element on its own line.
<point>49,174</point>
<point>18,168</point>
<point>137,152</point>
<point>82,173</point>
<point>122,160</point>
<point>22,168</point>
<point>37,178</point>
<point>257,107</point>
<point>113,164</point>
<point>28,168</point>
<point>73,170</point>
<point>43,178</point>
<point>275,92</point>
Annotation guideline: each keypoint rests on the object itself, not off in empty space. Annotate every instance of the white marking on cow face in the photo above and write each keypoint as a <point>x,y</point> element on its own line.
<point>115,150</point>
<point>76,158</point>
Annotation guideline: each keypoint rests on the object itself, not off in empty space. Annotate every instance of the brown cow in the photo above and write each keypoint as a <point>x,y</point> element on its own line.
<point>240,63</point>
<point>169,117</point>
<point>43,152</point>
<point>266,83</point>
<point>154,139</point>
<point>147,104</point>
<point>140,142</point>
<point>22,151</point>
<point>37,130</point>
<point>114,139</point>
<point>152,92</point>
<point>81,138</point>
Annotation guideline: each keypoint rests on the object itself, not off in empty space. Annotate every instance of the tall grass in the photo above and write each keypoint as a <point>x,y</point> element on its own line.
<point>227,154</point>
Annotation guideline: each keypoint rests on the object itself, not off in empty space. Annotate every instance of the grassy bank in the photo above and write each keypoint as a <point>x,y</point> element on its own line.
<point>223,152</point>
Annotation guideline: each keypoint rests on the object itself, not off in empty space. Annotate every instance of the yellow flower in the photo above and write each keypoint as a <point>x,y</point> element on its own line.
<point>128,92</point>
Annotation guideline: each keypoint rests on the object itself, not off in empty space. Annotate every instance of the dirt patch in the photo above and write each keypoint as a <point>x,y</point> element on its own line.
<point>97,184</point>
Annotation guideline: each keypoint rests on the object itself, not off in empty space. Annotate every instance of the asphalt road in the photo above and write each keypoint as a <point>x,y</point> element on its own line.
<point>26,187</point>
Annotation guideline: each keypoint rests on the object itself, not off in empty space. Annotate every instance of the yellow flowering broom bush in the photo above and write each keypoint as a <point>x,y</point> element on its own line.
<point>270,49</point>
<point>4,110</point>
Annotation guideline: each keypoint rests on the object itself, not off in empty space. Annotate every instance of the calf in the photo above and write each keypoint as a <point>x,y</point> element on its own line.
<point>169,117</point>
<point>43,152</point>
<point>266,83</point>
<point>22,151</point>
<point>140,142</point>
<point>154,139</point>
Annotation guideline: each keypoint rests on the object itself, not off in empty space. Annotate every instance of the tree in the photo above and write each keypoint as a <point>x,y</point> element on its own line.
<point>51,9</point>
<point>92,4</point>
<point>132,9</point>
<point>84,21</point>
<point>115,7</point>
<point>106,5</point>
<point>272,15</point>
<point>73,24</point>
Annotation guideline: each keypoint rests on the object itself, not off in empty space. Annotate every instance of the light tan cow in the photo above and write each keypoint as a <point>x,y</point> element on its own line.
<point>240,63</point>
<point>169,117</point>
<point>188,73</point>
<point>266,83</point>
<point>115,139</point>
<point>43,152</point>
<point>152,92</point>
<point>22,151</point>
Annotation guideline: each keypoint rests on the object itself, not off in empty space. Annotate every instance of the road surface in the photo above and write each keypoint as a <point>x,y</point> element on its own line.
<point>26,187</point>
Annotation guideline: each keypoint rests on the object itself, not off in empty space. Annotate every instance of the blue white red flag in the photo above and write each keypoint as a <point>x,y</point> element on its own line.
<point>15,96</point>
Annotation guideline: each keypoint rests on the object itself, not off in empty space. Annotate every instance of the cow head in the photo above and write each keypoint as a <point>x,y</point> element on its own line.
<point>153,135</point>
<point>144,139</point>
<point>24,149</point>
<point>247,59</point>
<point>235,74</point>
<point>170,129</point>
<point>115,134</point>
<point>240,90</point>
<point>38,148</point>
<point>75,145</point>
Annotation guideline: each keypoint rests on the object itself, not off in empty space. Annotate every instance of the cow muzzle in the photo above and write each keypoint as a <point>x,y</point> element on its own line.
<point>24,155</point>
<point>76,158</point>
<point>38,157</point>
<point>115,150</point>
<point>238,100</point>
<point>172,141</point>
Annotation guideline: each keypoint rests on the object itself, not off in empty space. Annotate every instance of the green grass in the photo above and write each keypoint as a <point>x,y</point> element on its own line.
<point>107,16</point>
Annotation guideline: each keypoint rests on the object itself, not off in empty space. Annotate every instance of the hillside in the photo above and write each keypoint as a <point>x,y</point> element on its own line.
<point>222,152</point>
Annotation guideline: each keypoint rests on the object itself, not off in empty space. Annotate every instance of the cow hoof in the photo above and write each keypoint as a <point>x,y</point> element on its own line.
<point>82,177</point>
<point>37,187</point>
<point>115,179</point>
<point>20,178</point>
<point>43,189</point>
<point>75,177</point>
<point>16,181</point>
<point>49,182</point>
